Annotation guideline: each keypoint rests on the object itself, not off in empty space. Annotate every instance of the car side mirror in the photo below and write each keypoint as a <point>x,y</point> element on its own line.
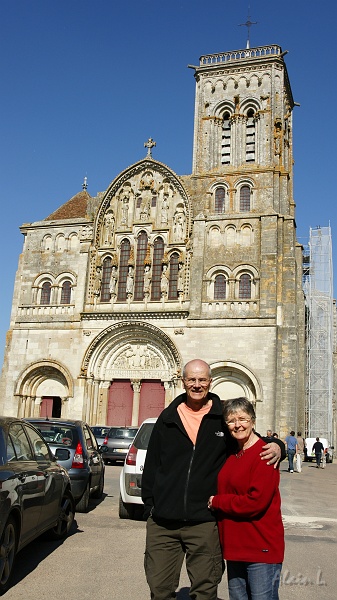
<point>62,454</point>
<point>103,449</point>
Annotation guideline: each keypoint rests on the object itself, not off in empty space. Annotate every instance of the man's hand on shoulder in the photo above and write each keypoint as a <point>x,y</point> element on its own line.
<point>271,453</point>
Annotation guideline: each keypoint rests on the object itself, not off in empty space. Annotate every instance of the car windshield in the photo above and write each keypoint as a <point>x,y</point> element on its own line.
<point>141,441</point>
<point>60,435</point>
<point>100,431</point>
<point>121,434</point>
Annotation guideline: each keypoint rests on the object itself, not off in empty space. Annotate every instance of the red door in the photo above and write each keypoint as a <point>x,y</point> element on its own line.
<point>152,400</point>
<point>120,403</point>
<point>46,407</point>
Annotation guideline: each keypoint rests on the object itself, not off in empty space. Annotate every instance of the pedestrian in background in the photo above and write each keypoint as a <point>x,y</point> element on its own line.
<point>300,451</point>
<point>291,444</point>
<point>318,448</point>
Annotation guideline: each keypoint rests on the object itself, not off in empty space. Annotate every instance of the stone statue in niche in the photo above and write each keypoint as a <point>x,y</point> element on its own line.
<point>108,228</point>
<point>147,280</point>
<point>113,281</point>
<point>164,282</point>
<point>97,283</point>
<point>129,282</point>
<point>125,199</point>
<point>179,223</point>
<point>164,210</point>
<point>145,207</point>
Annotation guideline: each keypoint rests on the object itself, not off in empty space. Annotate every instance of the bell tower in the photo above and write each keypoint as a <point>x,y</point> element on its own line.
<point>243,112</point>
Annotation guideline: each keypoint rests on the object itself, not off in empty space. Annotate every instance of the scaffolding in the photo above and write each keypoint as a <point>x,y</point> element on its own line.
<point>318,290</point>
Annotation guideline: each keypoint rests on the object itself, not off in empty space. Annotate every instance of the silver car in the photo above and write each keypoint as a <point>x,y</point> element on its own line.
<point>117,443</point>
<point>76,449</point>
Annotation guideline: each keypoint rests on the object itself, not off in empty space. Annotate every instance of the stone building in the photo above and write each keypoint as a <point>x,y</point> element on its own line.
<point>114,293</point>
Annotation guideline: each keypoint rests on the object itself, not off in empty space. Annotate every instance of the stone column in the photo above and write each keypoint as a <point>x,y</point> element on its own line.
<point>136,385</point>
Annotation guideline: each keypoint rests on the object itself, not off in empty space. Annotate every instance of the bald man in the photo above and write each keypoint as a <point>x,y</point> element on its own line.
<point>186,451</point>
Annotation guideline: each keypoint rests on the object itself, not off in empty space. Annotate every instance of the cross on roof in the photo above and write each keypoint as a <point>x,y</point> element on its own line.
<point>248,24</point>
<point>149,145</point>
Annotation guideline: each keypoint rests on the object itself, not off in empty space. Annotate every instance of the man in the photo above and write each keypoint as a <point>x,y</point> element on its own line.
<point>186,451</point>
<point>292,449</point>
<point>300,451</point>
<point>269,435</point>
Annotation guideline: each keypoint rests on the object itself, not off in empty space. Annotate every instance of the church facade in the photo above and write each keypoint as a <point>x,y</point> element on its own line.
<point>115,293</point>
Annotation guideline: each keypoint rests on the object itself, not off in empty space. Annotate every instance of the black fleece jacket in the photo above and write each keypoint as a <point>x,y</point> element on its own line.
<point>179,477</point>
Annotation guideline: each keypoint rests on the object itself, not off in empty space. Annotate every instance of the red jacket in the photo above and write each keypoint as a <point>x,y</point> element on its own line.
<point>248,506</point>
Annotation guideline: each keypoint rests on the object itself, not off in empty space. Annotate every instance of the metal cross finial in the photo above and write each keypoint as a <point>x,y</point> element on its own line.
<point>248,24</point>
<point>149,145</point>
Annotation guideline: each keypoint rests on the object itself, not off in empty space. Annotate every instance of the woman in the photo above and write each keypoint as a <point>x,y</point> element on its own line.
<point>248,507</point>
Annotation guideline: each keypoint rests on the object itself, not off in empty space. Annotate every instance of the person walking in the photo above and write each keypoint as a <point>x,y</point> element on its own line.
<point>318,448</point>
<point>186,451</point>
<point>291,444</point>
<point>248,507</point>
<point>300,451</point>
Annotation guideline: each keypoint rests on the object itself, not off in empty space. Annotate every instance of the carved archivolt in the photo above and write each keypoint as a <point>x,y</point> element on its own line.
<point>132,350</point>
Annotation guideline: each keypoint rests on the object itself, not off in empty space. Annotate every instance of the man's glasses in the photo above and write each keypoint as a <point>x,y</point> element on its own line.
<point>190,382</point>
<point>240,421</point>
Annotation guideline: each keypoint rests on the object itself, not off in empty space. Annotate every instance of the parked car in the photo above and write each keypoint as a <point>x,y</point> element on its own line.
<point>130,481</point>
<point>76,449</point>
<point>117,442</point>
<point>100,431</point>
<point>35,493</point>
<point>309,455</point>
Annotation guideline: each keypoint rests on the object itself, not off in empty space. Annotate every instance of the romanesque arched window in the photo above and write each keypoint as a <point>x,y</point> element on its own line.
<point>226,140</point>
<point>123,269</point>
<point>220,194</point>
<point>45,293</point>
<point>106,274</point>
<point>158,253</point>
<point>65,292</point>
<point>245,198</point>
<point>220,287</point>
<point>140,258</point>
<point>173,281</point>
<point>250,136</point>
<point>245,286</point>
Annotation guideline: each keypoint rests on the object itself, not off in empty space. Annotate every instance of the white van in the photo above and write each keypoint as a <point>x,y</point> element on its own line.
<point>310,455</point>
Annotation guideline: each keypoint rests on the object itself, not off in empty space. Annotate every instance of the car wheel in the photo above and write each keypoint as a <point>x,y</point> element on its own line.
<point>99,492</point>
<point>66,518</point>
<point>82,505</point>
<point>126,511</point>
<point>8,545</point>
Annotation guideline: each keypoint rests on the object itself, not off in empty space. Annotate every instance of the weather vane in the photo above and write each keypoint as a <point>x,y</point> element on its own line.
<point>248,24</point>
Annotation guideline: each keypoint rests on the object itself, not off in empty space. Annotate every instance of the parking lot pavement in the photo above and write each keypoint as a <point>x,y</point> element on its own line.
<point>104,555</point>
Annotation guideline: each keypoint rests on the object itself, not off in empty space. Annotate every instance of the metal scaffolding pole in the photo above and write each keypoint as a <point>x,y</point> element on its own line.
<point>318,288</point>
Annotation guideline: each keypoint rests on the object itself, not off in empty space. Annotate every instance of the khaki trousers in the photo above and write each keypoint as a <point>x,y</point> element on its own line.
<point>167,543</point>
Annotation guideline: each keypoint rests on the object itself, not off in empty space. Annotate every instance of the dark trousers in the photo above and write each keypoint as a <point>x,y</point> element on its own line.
<point>166,546</point>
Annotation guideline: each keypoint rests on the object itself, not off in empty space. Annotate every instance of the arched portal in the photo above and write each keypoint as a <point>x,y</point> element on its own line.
<point>42,390</point>
<point>232,380</point>
<point>131,371</point>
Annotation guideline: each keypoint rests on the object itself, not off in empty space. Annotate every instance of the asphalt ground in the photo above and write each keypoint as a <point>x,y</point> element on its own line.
<point>103,556</point>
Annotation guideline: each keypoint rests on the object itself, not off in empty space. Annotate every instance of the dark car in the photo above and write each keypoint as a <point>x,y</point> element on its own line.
<point>35,493</point>
<point>117,442</point>
<point>76,449</point>
<point>100,431</point>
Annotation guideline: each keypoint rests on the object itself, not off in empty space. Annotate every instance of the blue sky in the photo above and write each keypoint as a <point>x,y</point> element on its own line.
<point>86,83</point>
